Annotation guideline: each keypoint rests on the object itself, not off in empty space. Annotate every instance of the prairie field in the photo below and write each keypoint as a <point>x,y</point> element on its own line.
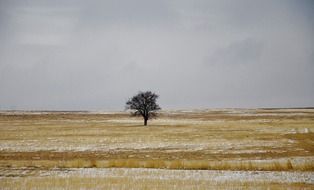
<point>181,149</point>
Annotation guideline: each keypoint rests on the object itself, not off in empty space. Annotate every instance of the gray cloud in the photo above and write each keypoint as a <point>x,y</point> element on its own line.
<point>96,54</point>
<point>247,51</point>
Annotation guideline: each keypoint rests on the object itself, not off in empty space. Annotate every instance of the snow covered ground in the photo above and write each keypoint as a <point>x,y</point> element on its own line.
<point>207,175</point>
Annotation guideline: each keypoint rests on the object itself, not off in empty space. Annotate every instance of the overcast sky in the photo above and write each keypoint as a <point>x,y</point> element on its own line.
<point>94,55</point>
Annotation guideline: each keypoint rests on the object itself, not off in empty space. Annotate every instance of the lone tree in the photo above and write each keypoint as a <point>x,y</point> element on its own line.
<point>144,104</point>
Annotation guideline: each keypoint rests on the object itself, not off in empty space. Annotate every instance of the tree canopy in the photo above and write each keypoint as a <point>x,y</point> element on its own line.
<point>144,104</point>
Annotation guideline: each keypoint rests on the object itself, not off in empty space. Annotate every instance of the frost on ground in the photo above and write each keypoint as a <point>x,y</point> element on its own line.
<point>164,174</point>
<point>211,175</point>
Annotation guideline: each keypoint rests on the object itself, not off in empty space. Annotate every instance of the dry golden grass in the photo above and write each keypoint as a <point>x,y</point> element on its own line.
<point>230,139</point>
<point>304,164</point>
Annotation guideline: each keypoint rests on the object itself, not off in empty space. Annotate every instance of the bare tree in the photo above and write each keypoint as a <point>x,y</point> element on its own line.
<point>144,104</point>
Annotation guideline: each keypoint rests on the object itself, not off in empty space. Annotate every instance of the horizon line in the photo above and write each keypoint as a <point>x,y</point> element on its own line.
<point>170,109</point>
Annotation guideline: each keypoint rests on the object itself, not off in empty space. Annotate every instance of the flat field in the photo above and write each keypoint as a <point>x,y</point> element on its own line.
<point>191,149</point>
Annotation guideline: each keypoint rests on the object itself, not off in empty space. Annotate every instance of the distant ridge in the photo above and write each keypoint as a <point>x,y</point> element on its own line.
<point>88,111</point>
<point>33,111</point>
<point>286,108</point>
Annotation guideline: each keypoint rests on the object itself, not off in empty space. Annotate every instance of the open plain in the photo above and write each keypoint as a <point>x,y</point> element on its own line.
<point>183,149</point>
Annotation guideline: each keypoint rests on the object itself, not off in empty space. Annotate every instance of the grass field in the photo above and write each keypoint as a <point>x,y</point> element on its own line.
<point>192,149</point>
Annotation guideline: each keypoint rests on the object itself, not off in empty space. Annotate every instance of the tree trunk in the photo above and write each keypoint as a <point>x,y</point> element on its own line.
<point>145,121</point>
